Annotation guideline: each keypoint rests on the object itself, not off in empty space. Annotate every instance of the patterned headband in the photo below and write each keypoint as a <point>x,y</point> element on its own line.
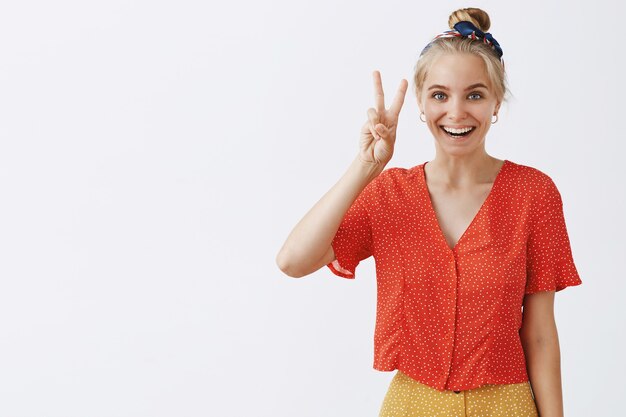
<point>468,30</point>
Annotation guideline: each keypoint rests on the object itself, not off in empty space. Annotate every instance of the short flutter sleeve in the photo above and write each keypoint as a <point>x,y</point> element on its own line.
<point>549,262</point>
<point>353,241</point>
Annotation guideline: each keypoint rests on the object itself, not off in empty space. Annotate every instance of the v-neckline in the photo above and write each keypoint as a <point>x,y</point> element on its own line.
<point>478,213</point>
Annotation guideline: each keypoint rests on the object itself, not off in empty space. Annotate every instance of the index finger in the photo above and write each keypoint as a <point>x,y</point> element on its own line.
<point>398,100</point>
<point>379,96</point>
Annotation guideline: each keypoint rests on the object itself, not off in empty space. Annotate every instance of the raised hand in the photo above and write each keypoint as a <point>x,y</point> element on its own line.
<point>378,134</point>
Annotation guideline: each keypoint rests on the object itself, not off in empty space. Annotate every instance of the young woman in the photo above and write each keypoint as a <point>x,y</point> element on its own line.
<point>469,249</point>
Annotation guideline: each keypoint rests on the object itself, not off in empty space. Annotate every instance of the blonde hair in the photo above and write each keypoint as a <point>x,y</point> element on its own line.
<point>440,46</point>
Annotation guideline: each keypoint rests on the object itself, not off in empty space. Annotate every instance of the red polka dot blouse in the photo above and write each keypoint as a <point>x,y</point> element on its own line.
<point>450,318</point>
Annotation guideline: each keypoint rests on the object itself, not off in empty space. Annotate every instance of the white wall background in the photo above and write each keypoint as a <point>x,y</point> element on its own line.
<point>154,156</point>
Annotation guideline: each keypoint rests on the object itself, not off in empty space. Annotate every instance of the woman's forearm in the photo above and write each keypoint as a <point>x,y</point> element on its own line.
<point>543,362</point>
<point>313,234</point>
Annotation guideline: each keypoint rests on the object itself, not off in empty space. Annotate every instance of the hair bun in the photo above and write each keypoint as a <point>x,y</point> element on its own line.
<point>478,17</point>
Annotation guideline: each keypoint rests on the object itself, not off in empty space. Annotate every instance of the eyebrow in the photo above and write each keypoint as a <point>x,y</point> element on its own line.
<point>471,87</point>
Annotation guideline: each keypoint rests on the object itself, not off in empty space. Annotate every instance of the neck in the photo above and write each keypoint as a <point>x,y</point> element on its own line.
<point>463,171</point>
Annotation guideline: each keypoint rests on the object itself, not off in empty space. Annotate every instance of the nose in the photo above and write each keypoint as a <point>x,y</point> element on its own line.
<point>457,111</point>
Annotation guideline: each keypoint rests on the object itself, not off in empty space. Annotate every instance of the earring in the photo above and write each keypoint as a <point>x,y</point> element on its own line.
<point>496,121</point>
<point>422,114</point>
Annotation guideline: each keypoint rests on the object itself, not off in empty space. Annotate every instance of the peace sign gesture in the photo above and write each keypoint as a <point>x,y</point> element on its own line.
<point>378,134</point>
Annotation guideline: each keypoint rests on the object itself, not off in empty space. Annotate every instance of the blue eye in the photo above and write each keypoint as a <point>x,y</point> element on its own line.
<point>477,95</point>
<point>437,95</point>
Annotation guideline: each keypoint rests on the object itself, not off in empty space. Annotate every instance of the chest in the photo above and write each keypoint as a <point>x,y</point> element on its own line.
<point>455,210</point>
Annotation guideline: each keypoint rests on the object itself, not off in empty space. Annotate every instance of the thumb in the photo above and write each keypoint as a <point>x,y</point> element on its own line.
<point>382,130</point>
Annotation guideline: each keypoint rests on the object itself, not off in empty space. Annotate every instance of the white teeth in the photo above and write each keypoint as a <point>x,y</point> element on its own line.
<point>457,131</point>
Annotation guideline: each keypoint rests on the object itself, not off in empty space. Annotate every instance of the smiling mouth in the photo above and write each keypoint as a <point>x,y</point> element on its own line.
<point>458,133</point>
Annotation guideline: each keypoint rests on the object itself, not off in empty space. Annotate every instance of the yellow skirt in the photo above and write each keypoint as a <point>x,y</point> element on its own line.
<point>407,397</point>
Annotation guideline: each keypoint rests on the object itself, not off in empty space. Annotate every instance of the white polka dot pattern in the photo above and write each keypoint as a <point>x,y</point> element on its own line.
<point>450,318</point>
<point>409,398</point>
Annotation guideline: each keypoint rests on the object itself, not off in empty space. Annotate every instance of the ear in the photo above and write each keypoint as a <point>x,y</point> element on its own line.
<point>497,109</point>
<point>419,104</point>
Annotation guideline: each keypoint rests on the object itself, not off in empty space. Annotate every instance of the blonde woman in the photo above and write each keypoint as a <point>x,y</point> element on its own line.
<point>469,249</point>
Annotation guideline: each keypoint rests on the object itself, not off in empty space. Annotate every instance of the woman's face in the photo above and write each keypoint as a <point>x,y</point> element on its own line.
<point>458,102</point>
